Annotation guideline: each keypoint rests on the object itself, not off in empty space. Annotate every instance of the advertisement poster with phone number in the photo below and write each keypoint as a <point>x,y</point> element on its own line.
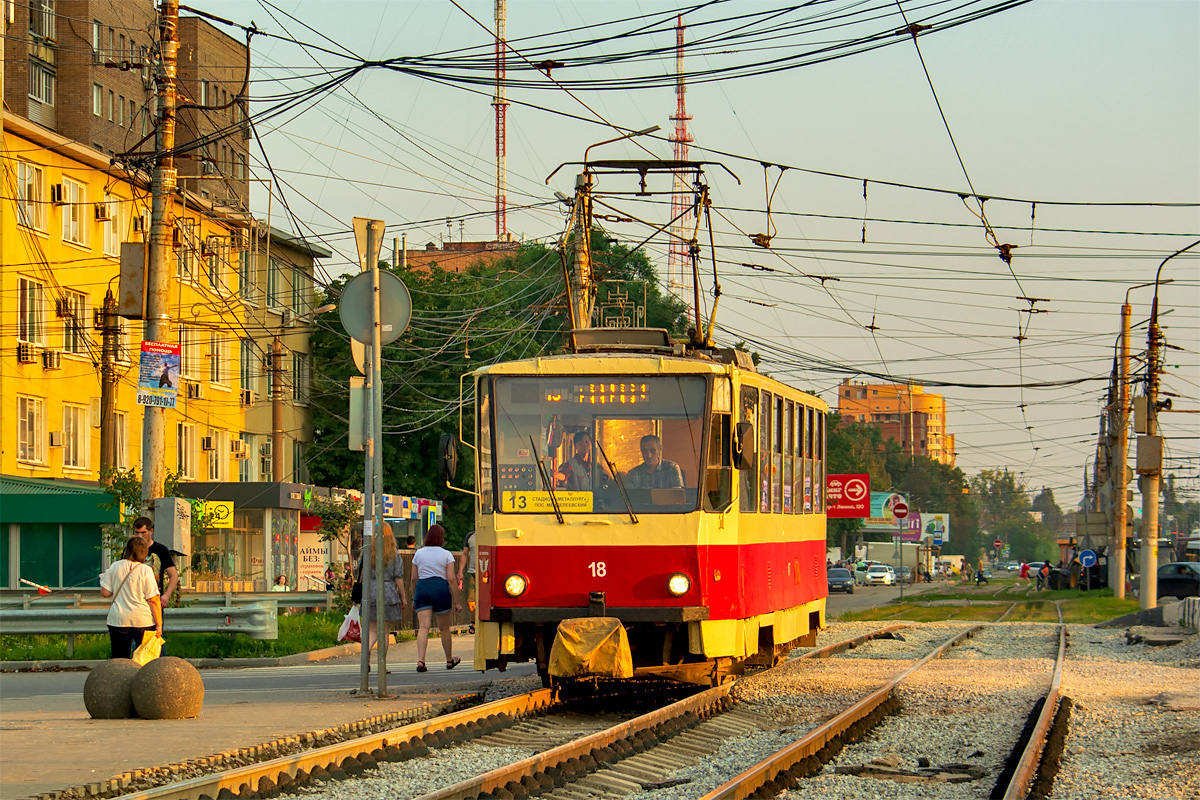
<point>158,375</point>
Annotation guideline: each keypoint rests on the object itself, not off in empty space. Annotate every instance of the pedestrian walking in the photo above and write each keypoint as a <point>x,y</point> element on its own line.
<point>1023,575</point>
<point>394,598</point>
<point>1043,576</point>
<point>466,575</point>
<point>434,591</point>
<point>136,605</point>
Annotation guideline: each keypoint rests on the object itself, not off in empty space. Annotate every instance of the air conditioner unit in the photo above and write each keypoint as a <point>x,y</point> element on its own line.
<point>195,391</point>
<point>208,167</point>
<point>56,194</point>
<point>264,450</point>
<point>26,353</point>
<point>103,212</point>
<point>207,444</point>
<point>248,398</point>
<point>238,447</point>
<point>56,438</point>
<point>51,359</point>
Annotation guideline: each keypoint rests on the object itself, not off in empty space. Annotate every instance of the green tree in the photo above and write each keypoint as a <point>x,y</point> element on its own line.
<point>852,447</point>
<point>1052,515</point>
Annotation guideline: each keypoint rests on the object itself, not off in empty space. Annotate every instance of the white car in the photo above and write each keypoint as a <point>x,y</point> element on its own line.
<point>881,574</point>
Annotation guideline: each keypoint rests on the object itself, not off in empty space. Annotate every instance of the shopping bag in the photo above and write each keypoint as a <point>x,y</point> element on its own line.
<point>351,630</point>
<point>149,649</point>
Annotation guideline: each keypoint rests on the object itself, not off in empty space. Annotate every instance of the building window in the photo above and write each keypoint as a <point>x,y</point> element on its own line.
<point>241,167</point>
<point>218,370</point>
<point>132,112</point>
<point>218,456</point>
<point>189,364</point>
<point>96,41</point>
<point>120,432</point>
<point>145,120</point>
<point>31,208</point>
<point>122,340</point>
<point>97,99</point>
<point>185,448</point>
<point>75,322</point>
<point>121,50</point>
<point>110,229</point>
<point>31,430</point>
<point>121,111</point>
<point>274,284</point>
<point>31,311</point>
<point>298,304</point>
<point>41,82</point>
<point>247,373</point>
<point>246,464</point>
<point>112,102</point>
<point>75,437</point>
<point>300,377</point>
<point>41,19</point>
<point>246,288</point>
<point>75,212</point>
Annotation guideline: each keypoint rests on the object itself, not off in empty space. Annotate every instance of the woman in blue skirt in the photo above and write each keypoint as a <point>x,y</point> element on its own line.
<point>434,592</point>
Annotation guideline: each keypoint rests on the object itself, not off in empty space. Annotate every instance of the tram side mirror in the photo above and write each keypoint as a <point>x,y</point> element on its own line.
<point>743,446</point>
<point>447,457</point>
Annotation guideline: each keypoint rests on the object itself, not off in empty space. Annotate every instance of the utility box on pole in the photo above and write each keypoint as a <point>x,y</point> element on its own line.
<point>1149,455</point>
<point>173,526</point>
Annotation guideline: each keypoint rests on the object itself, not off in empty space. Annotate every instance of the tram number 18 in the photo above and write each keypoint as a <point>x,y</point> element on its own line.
<point>598,569</point>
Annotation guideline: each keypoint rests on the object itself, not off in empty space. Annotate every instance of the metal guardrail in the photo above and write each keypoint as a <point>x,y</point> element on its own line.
<point>257,620</point>
<point>91,599</point>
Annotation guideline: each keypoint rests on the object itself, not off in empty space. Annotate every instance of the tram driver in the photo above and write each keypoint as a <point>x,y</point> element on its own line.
<point>576,473</point>
<point>654,472</point>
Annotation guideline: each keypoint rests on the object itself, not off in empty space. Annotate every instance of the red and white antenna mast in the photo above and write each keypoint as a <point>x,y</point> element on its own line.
<point>679,269</point>
<point>500,103</point>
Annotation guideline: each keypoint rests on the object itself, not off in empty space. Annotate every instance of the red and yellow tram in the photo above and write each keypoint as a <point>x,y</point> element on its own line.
<point>646,511</point>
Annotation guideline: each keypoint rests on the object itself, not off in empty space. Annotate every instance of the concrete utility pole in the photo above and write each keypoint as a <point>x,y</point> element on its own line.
<point>581,271</point>
<point>1150,468</point>
<point>1116,561</point>
<point>108,383</point>
<point>162,191</point>
<point>276,409</point>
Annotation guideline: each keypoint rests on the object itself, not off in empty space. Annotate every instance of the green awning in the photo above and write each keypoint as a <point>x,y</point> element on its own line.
<point>53,500</point>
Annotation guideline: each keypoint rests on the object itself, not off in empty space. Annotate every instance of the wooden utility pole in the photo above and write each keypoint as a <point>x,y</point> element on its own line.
<point>108,383</point>
<point>162,191</point>
<point>581,270</point>
<point>1116,561</point>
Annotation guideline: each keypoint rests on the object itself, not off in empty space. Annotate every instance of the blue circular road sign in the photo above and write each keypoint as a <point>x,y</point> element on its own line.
<point>1087,558</point>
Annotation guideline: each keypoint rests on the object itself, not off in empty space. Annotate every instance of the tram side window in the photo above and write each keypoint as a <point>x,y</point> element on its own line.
<point>764,454</point>
<point>798,477</point>
<point>484,442</point>
<point>819,472</point>
<point>777,457</point>
<point>718,483</point>
<point>809,432</point>
<point>789,447</point>
<point>748,493</point>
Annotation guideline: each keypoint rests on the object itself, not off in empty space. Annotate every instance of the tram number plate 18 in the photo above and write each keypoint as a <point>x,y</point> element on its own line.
<point>539,502</point>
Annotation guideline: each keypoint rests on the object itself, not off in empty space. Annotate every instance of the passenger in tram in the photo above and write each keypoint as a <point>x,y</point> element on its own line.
<point>576,474</point>
<point>654,472</point>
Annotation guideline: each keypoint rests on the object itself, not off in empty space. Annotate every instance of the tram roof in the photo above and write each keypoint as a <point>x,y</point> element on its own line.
<point>608,363</point>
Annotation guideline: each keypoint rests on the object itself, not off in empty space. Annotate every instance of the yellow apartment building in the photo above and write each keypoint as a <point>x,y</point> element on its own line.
<point>64,214</point>
<point>904,412</point>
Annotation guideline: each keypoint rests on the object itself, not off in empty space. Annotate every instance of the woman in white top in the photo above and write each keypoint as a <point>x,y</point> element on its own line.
<point>136,606</point>
<point>434,590</point>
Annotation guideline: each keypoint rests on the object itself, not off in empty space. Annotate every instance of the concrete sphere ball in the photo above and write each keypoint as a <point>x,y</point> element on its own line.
<point>168,688</point>
<point>107,692</point>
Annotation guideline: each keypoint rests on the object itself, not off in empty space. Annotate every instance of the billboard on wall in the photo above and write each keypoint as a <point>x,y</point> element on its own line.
<point>881,519</point>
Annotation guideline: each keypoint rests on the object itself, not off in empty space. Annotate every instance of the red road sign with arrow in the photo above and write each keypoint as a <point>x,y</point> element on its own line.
<point>848,496</point>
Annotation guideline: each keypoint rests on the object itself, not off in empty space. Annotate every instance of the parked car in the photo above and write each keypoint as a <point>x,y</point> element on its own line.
<point>1179,579</point>
<point>840,580</point>
<point>880,574</point>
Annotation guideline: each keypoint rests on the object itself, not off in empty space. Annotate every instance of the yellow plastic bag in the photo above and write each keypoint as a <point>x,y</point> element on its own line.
<point>149,649</point>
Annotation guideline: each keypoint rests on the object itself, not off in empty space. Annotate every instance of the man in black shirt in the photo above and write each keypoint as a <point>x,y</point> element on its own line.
<point>159,559</point>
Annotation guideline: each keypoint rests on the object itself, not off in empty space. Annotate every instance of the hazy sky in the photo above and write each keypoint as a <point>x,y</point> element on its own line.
<point>1088,103</point>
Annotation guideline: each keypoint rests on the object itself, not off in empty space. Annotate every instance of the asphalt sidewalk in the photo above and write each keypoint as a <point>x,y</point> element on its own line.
<point>48,742</point>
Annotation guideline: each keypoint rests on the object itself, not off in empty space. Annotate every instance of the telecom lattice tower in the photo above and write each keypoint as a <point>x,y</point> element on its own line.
<point>679,260</point>
<point>500,103</point>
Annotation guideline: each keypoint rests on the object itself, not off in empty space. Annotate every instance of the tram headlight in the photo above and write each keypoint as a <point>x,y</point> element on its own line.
<point>679,584</point>
<point>515,584</point>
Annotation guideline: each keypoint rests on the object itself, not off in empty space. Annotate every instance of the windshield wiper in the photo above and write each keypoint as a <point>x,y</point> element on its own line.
<point>620,483</point>
<point>535,454</point>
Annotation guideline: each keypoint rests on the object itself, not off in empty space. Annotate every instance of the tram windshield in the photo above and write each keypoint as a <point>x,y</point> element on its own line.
<point>580,440</point>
